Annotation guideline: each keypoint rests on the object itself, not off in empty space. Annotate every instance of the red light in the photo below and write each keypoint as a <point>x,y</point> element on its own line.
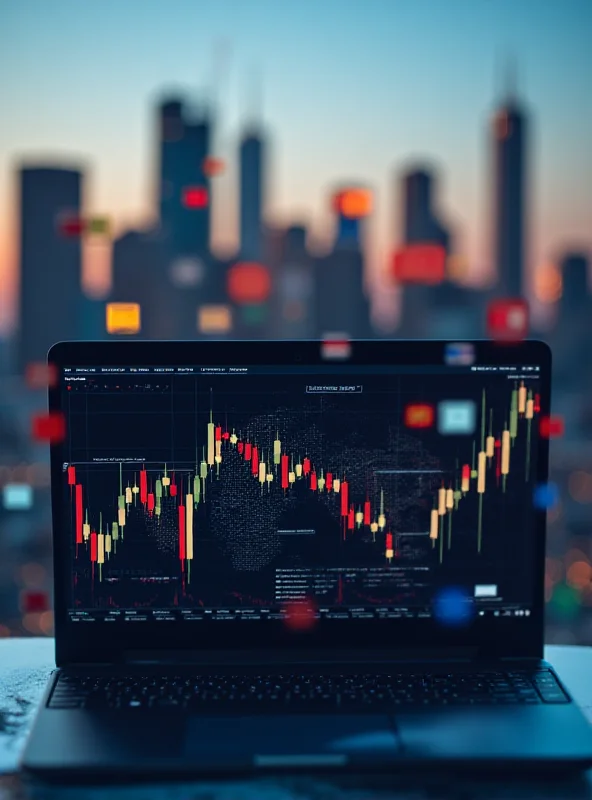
<point>507,320</point>
<point>248,282</point>
<point>41,376</point>
<point>551,427</point>
<point>420,263</point>
<point>71,226</point>
<point>34,602</point>
<point>196,197</point>
<point>300,616</point>
<point>49,427</point>
<point>335,346</point>
<point>419,415</point>
<point>213,166</point>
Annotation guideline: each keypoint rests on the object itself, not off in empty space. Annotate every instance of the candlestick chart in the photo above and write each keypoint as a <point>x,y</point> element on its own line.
<point>300,486</point>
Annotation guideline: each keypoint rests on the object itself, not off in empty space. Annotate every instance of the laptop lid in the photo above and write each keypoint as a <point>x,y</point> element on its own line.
<point>294,497</point>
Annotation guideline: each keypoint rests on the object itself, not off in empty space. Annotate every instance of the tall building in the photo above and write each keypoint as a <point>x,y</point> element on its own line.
<point>141,275</point>
<point>50,261</point>
<point>420,221</point>
<point>184,186</point>
<point>294,304</point>
<point>510,195</point>
<point>571,339</point>
<point>576,296</point>
<point>252,196</point>
<point>425,309</point>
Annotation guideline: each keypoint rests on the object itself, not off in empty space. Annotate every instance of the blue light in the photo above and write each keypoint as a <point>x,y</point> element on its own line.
<point>546,496</point>
<point>453,606</point>
<point>17,496</point>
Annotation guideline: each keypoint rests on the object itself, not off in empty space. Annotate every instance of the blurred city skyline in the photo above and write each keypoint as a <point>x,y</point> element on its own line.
<point>346,94</point>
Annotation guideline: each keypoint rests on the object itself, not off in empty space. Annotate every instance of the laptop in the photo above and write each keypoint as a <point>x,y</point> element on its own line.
<point>277,556</point>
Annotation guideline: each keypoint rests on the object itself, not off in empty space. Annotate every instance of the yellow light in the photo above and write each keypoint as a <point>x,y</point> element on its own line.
<point>214,319</point>
<point>123,318</point>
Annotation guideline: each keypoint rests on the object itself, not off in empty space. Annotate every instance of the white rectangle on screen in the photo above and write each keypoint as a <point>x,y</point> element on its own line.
<point>486,590</point>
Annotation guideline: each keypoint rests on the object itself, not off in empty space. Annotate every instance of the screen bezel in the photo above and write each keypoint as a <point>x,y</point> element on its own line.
<point>486,637</point>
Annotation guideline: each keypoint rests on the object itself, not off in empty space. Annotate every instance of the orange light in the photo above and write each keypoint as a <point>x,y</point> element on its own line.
<point>579,575</point>
<point>419,415</point>
<point>548,284</point>
<point>212,166</point>
<point>123,318</point>
<point>214,319</point>
<point>353,203</point>
<point>248,283</point>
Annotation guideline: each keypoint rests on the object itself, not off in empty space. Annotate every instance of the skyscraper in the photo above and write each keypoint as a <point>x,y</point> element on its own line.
<point>251,196</point>
<point>510,195</point>
<point>184,187</point>
<point>294,303</point>
<point>571,341</point>
<point>420,224</point>
<point>576,296</point>
<point>50,261</point>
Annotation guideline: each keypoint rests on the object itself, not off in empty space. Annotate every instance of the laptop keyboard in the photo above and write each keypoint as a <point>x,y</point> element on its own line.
<point>305,692</point>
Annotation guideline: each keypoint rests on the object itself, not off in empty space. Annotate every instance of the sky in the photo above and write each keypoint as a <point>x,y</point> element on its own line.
<point>350,90</point>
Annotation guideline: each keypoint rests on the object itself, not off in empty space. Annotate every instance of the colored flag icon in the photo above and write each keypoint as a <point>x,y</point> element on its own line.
<point>419,415</point>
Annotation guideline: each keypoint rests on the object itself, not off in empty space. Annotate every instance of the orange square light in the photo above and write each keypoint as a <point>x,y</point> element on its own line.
<point>123,318</point>
<point>214,319</point>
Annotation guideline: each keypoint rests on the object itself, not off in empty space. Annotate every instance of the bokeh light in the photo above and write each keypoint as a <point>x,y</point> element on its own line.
<point>453,606</point>
<point>419,415</point>
<point>580,486</point>
<point>546,496</point>
<point>508,320</point>
<point>419,264</point>
<point>187,272</point>
<point>300,616</point>
<point>354,203</point>
<point>49,427</point>
<point>39,375</point>
<point>548,284</point>
<point>214,319</point>
<point>212,166</point>
<point>196,197</point>
<point>123,318</point>
<point>248,283</point>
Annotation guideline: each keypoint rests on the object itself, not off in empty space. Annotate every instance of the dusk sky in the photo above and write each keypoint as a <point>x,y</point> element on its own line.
<point>351,91</point>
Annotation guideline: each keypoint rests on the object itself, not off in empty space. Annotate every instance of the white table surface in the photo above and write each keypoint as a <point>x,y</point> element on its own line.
<point>26,663</point>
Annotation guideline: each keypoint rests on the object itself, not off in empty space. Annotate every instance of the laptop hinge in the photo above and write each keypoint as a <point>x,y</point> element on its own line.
<point>316,657</point>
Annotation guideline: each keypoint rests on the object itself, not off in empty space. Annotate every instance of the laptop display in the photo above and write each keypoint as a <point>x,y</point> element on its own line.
<point>199,494</point>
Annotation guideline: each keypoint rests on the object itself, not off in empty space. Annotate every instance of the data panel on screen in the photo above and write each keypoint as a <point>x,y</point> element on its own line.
<point>197,493</point>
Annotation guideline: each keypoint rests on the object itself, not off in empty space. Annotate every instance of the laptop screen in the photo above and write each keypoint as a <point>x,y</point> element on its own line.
<point>335,491</point>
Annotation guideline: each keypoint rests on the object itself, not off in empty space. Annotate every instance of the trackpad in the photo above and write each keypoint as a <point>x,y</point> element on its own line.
<point>292,741</point>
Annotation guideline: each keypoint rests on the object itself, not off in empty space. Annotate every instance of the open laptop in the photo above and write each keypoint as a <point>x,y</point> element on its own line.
<point>290,555</point>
